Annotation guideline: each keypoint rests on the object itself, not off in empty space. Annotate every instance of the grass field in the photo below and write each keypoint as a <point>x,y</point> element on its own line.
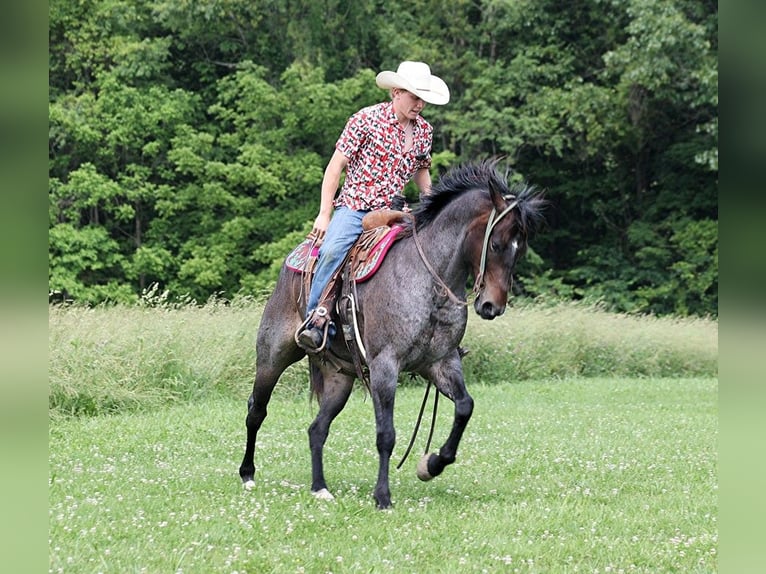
<point>130,359</point>
<point>595,475</point>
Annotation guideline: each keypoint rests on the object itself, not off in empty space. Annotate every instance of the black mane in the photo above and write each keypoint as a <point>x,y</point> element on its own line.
<point>454,183</point>
<point>466,177</point>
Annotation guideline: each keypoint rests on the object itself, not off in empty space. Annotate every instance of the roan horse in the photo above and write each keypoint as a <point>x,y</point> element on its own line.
<point>413,312</point>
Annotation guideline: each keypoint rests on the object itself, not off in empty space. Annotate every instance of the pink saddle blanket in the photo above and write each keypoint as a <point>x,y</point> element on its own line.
<point>299,257</point>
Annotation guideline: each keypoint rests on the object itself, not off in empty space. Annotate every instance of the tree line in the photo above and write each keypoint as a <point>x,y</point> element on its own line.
<point>187,139</point>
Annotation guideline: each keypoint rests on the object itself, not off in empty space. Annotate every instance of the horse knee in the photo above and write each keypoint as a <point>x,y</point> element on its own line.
<point>386,440</point>
<point>464,409</point>
<point>317,434</point>
<point>255,418</point>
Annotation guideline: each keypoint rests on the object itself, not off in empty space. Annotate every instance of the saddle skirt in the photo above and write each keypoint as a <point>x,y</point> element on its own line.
<point>369,251</point>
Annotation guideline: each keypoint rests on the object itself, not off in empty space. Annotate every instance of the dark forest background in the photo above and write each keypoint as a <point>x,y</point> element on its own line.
<point>187,139</point>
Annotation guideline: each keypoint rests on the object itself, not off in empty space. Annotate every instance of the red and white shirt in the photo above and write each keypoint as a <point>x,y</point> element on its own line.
<point>378,167</point>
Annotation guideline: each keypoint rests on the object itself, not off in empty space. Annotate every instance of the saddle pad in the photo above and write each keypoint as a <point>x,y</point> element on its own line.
<point>378,252</point>
<point>298,259</point>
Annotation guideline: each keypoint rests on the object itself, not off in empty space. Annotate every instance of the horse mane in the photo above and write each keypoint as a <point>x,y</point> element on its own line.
<point>479,175</point>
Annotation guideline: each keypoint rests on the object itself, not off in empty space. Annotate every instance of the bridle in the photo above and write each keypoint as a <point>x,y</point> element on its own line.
<point>492,221</point>
<point>447,291</point>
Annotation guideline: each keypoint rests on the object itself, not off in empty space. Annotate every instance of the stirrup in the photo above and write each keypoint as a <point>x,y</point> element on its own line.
<point>320,312</point>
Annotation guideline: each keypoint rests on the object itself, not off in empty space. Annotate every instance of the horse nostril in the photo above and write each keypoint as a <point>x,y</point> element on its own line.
<point>489,311</point>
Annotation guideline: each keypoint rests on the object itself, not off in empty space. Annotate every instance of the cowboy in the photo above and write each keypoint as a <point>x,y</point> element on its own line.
<point>381,148</point>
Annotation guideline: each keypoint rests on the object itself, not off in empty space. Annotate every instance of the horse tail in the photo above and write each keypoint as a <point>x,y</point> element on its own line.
<point>317,380</point>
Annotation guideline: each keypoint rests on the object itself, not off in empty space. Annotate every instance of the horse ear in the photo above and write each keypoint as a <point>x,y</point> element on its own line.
<point>497,196</point>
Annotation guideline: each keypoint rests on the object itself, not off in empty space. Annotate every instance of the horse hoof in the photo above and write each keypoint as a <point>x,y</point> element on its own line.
<point>249,484</point>
<point>422,471</point>
<point>323,494</point>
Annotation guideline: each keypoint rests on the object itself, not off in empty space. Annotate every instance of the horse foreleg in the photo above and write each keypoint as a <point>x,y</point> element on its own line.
<point>449,380</point>
<point>383,387</point>
<point>336,389</point>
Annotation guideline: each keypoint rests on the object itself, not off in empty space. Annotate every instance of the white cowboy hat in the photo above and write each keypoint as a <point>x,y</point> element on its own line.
<point>416,77</point>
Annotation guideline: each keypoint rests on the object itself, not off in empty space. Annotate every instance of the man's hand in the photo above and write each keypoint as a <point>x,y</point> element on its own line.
<point>320,228</point>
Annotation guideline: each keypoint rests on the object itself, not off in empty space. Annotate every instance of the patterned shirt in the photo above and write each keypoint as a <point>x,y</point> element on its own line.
<point>378,168</point>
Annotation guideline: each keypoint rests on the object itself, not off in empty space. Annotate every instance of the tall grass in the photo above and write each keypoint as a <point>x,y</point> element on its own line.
<point>572,340</point>
<point>117,359</point>
<point>110,359</point>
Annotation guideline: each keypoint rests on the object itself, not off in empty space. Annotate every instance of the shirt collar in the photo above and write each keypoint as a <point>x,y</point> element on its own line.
<point>391,113</point>
<point>393,120</point>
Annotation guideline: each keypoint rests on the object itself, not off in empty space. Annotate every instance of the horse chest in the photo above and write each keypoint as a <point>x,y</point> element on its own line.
<point>448,317</point>
<point>446,326</point>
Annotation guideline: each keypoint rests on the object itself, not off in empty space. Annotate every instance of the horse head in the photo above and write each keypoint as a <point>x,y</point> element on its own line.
<point>498,220</point>
<point>500,237</point>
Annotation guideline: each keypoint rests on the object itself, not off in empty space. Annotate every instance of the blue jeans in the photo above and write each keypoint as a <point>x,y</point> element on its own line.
<point>344,229</point>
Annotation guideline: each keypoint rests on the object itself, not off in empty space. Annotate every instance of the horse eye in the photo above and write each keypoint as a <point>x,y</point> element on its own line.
<point>494,246</point>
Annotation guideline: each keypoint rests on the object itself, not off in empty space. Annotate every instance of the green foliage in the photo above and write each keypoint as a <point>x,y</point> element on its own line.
<point>195,134</point>
<point>83,264</point>
<point>263,156</point>
<point>90,38</point>
<point>273,254</point>
<point>109,163</point>
<point>690,286</point>
<point>673,270</point>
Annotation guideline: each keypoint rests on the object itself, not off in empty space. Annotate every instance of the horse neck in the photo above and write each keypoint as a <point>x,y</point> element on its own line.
<point>444,240</point>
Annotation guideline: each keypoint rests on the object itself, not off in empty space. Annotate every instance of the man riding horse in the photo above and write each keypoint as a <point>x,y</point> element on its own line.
<point>381,148</point>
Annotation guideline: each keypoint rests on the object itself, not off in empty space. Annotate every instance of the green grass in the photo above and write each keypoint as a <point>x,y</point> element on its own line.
<point>119,359</point>
<point>570,475</point>
<point>593,448</point>
<point>570,340</point>
<point>116,359</point>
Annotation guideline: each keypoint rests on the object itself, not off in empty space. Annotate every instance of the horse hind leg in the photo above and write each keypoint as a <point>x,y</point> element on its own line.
<point>335,390</point>
<point>276,350</point>
<point>448,378</point>
<point>257,403</point>
<point>253,422</point>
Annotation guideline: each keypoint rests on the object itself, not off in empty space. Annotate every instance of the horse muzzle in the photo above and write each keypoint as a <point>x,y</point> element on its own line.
<point>487,309</point>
